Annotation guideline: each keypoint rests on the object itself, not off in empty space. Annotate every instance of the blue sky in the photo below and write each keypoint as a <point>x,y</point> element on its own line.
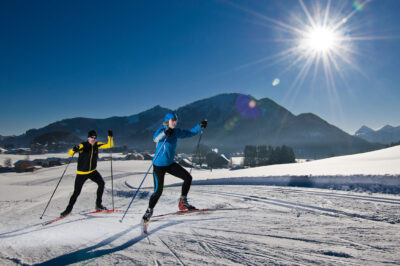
<point>97,59</point>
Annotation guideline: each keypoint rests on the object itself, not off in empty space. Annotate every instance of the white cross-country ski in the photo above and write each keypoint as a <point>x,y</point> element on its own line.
<point>155,218</point>
<point>54,220</point>
<point>85,213</point>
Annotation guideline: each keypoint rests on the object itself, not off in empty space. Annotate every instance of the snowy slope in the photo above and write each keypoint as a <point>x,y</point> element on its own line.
<point>260,224</point>
<point>381,162</point>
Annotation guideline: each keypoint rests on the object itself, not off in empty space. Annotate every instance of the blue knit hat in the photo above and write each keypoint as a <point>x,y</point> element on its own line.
<point>170,115</point>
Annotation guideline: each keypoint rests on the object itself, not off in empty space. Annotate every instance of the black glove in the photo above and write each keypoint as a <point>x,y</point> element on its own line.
<point>169,131</point>
<point>75,148</point>
<point>110,133</point>
<point>203,124</point>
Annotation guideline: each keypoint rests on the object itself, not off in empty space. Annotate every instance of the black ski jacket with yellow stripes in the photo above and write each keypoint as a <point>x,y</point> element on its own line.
<point>88,155</point>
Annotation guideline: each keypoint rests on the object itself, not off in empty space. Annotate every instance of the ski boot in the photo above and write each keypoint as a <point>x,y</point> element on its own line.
<point>65,213</point>
<point>184,205</point>
<point>147,215</point>
<point>100,207</point>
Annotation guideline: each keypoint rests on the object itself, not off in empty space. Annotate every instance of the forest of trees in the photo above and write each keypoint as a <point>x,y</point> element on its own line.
<point>263,155</point>
<point>205,155</point>
<point>253,156</point>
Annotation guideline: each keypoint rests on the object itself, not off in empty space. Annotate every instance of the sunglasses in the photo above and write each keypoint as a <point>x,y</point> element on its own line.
<point>93,137</point>
<point>174,119</point>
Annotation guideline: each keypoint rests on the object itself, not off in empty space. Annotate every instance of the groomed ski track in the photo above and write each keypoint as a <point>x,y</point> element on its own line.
<point>264,224</point>
<point>281,226</point>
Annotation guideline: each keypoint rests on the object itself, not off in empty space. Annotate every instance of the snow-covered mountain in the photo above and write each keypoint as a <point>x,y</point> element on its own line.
<point>386,135</point>
<point>235,120</point>
<point>364,131</point>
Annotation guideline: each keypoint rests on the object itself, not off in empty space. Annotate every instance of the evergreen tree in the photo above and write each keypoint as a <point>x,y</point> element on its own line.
<point>250,155</point>
<point>211,158</point>
<point>199,157</point>
<point>262,155</point>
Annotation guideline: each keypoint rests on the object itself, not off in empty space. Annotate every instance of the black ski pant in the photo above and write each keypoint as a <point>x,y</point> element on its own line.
<point>80,180</point>
<point>159,174</point>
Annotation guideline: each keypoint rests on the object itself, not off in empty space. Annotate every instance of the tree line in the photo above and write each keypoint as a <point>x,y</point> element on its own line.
<point>266,155</point>
<point>253,156</point>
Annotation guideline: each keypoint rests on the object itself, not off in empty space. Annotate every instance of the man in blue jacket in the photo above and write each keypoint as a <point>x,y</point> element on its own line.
<point>166,138</point>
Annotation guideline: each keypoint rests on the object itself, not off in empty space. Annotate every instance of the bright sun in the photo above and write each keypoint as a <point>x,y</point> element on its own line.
<point>320,39</point>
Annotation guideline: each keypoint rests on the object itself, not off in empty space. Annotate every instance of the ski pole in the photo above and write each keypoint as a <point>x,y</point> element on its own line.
<point>197,149</point>
<point>134,195</point>
<point>112,180</point>
<point>57,185</point>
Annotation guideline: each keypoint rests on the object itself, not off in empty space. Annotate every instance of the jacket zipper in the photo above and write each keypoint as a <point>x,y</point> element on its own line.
<point>90,164</point>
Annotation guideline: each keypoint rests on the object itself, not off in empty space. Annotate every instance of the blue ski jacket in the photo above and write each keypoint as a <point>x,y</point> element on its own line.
<point>167,155</point>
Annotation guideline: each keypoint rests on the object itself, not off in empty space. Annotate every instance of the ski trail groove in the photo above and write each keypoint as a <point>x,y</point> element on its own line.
<point>202,244</point>
<point>303,207</point>
<point>171,251</point>
<point>335,195</point>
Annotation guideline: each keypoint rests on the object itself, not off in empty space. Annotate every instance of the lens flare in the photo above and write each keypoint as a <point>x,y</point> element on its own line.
<point>357,6</point>
<point>230,124</point>
<point>276,82</point>
<point>252,104</point>
<point>247,107</point>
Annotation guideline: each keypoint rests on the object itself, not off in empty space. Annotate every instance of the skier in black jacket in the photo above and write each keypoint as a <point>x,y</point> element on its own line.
<point>87,162</point>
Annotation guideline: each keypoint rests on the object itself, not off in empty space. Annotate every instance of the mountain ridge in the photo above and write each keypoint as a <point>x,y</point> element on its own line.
<point>385,135</point>
<point>235,120</point>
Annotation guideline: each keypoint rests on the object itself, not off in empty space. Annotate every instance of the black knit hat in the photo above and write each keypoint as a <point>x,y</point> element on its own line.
<point>92,133</point>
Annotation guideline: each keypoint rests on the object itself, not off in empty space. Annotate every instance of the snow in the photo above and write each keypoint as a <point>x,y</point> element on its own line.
<point>257,223</point>
<point>381,162</point>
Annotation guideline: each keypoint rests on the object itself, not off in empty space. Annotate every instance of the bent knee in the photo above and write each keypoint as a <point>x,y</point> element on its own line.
<point>158,192</point>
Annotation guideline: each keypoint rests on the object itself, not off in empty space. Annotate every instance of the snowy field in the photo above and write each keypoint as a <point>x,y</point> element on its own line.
<point>16,157</point>
<point>262,217</point>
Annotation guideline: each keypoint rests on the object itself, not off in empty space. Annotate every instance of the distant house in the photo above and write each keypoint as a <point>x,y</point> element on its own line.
<point>185,162</point>
<point>39,162</point>
<point>134,156</point>
<point>24,166</point>
<point>221,161</point>
<point>216,161</point>
<point>20,151</point>
<point>106,158</point>
<point>49,162</point>
<point>147,156</point>
<point>38,148</point>
<point>5,169</point>
<point>52,161</point>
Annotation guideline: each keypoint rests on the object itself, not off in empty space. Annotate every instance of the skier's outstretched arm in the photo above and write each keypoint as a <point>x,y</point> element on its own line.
<point>109,144</point>
<point>182,133</point>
